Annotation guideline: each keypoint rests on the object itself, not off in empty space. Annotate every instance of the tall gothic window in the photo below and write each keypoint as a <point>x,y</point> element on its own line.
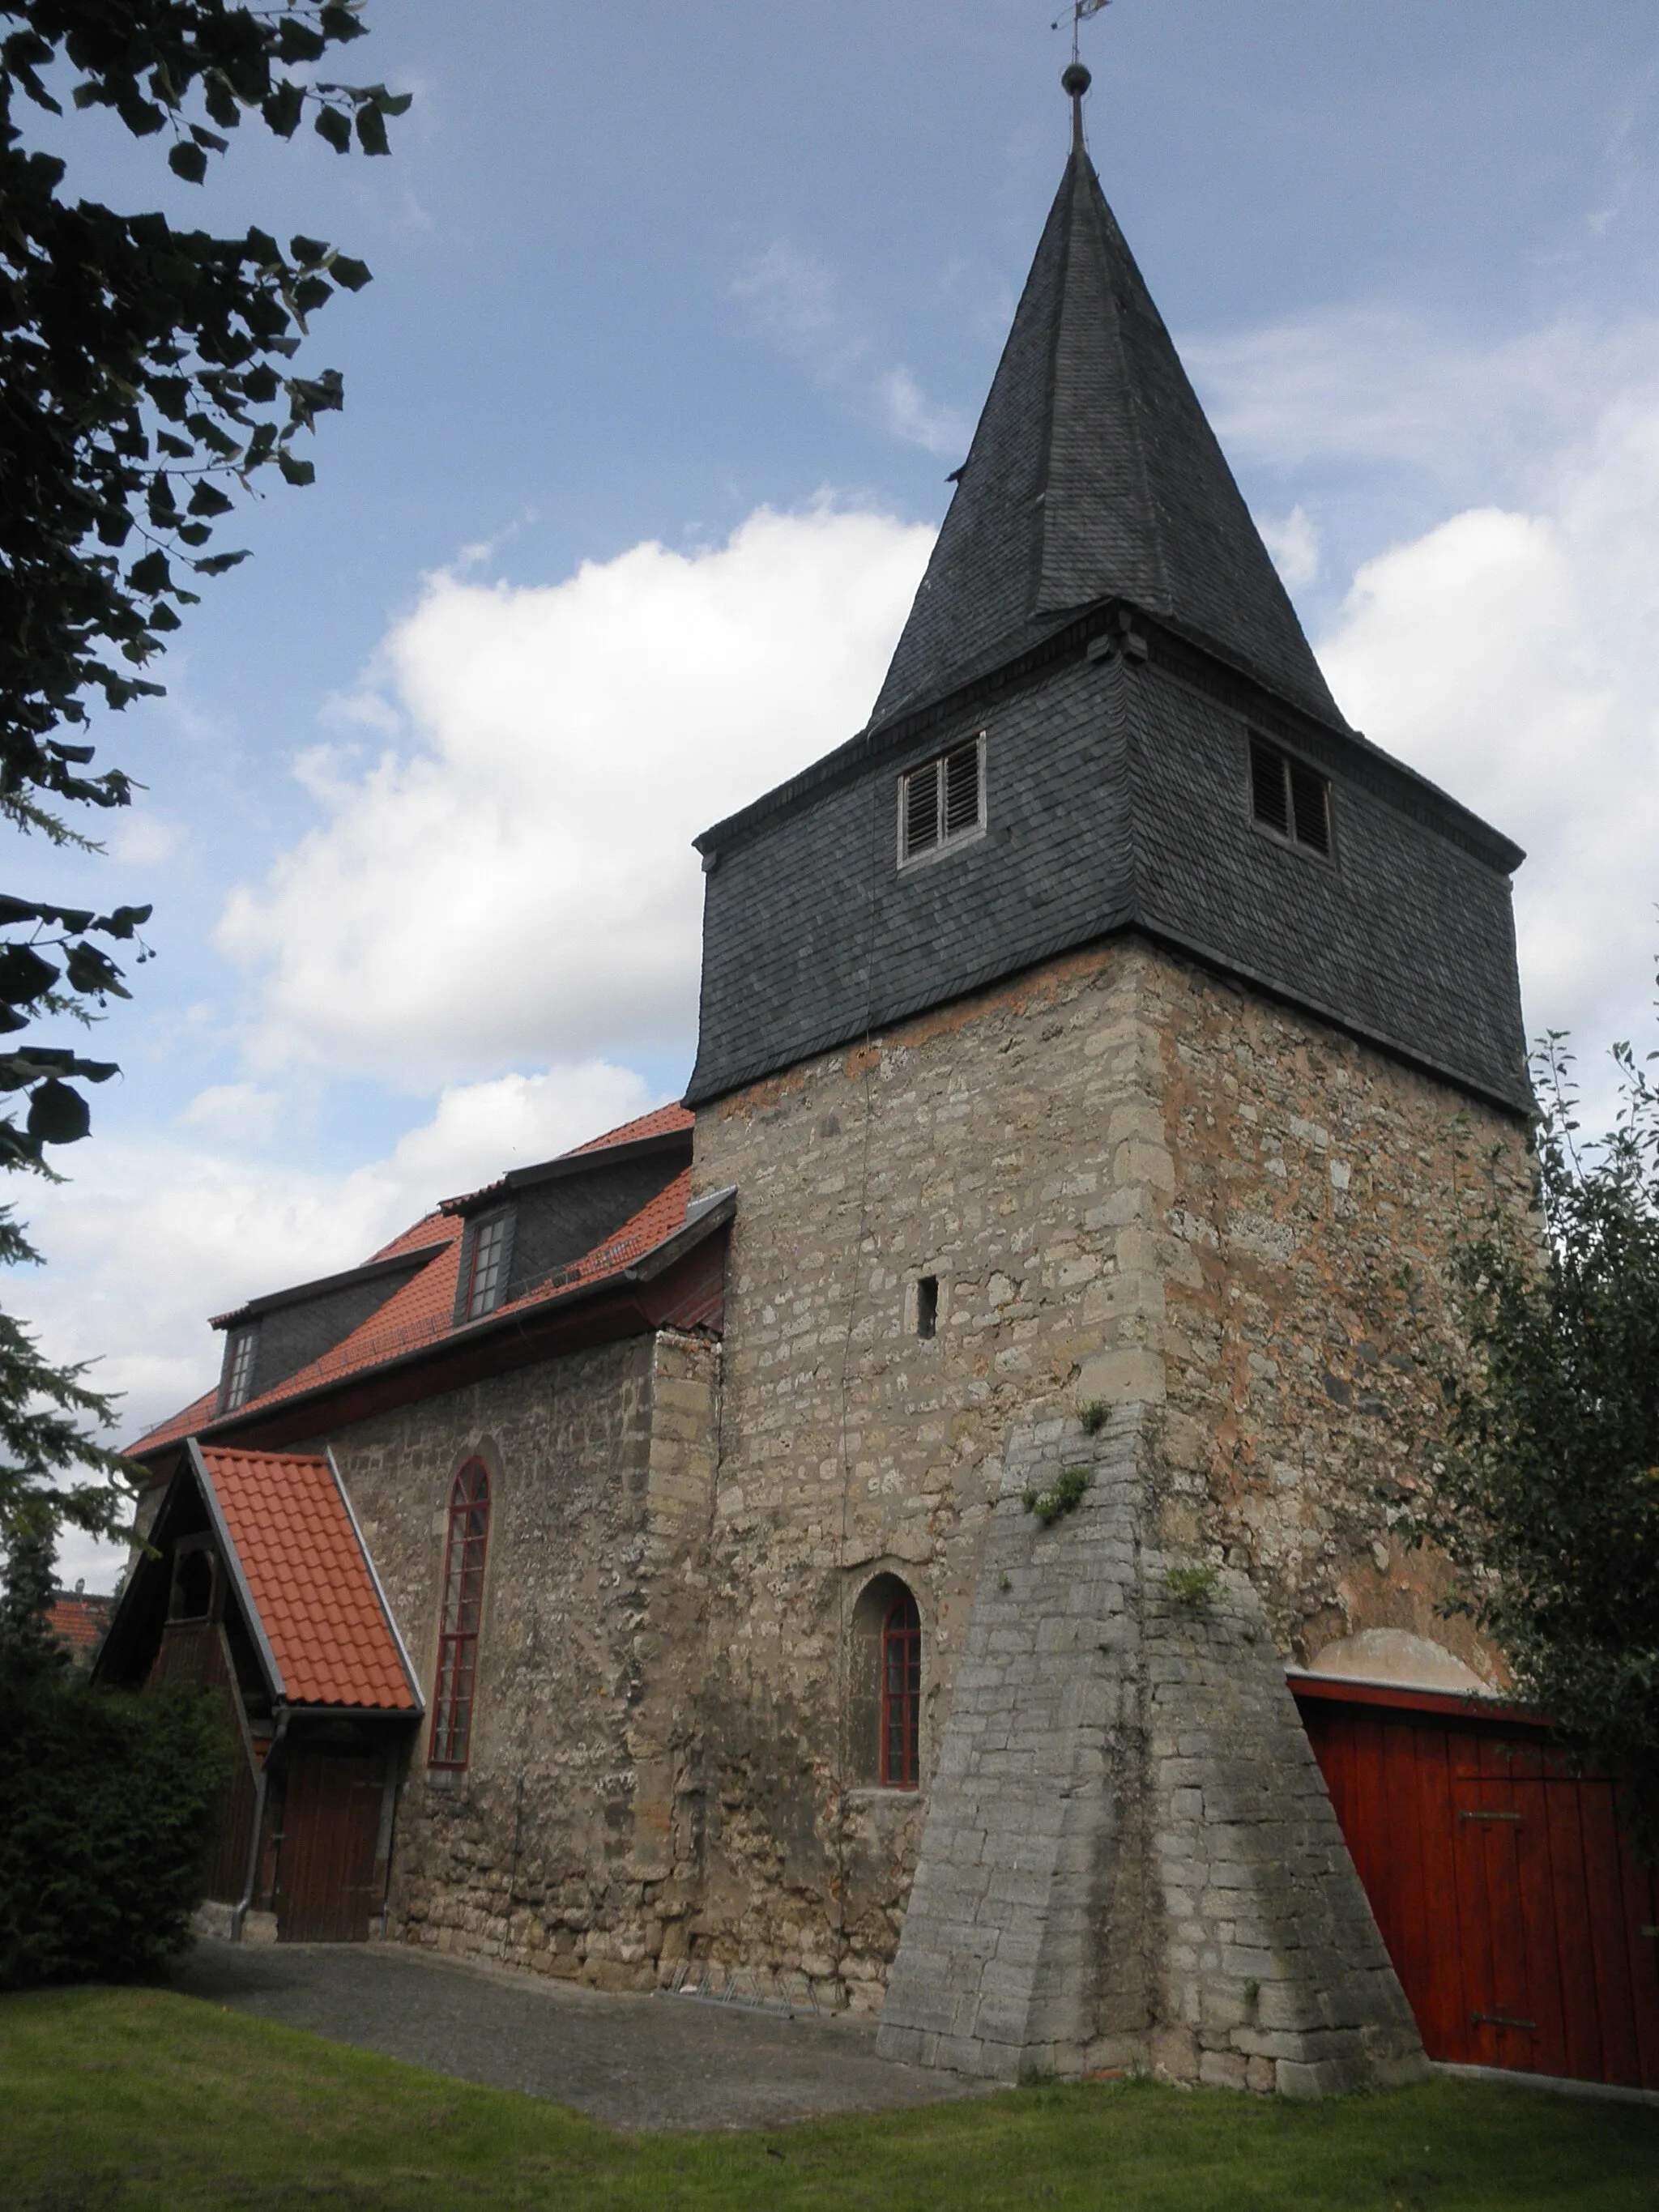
<point>900,1695</point>
<point>458,1633</point>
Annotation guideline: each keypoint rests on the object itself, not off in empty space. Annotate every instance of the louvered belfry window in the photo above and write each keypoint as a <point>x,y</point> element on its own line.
<point>900,1695</point>
<point>487,1268</point>
<point>943,802</point>
<point>1289,798</point>
<point>458,1631</point>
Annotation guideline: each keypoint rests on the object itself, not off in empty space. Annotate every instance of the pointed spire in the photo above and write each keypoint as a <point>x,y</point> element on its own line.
<point>1093,474</point>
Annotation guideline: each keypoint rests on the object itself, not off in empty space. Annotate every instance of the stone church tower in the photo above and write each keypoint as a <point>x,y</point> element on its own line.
<point>1099,1044</point>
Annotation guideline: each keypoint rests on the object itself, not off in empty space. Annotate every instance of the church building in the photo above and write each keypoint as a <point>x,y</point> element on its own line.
<point>851,1530</point>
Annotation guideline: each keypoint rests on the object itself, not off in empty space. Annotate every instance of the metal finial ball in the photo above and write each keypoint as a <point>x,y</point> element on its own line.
<point>1075,79</point>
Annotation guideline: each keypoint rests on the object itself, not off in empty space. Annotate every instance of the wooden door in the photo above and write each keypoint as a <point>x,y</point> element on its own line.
<point>1522,1928</point>
<point>325,1866</point>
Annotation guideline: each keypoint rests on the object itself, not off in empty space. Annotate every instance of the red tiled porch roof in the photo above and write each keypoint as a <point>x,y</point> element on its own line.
<point>308,1579</point>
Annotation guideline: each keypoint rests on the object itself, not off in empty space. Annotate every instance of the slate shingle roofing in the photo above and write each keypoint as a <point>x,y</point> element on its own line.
<point>302,1567</point>
<point>420,1311</point>
<point>1094,474</point>
<point>1101,614</point>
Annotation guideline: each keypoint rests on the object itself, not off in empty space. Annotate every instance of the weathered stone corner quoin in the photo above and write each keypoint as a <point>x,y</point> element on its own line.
<point>850,1532</point>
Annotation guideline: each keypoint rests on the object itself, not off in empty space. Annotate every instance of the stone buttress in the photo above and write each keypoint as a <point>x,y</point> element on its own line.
<point>1130,1861</point>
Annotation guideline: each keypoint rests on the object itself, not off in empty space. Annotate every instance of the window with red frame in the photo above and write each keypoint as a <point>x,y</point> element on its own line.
<point>900,1695</point>
<point>458,1633</point>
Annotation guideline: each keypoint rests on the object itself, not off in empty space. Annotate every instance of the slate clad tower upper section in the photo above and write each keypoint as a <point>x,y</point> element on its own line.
<point>1093,472</point>
<point>1102,640</point>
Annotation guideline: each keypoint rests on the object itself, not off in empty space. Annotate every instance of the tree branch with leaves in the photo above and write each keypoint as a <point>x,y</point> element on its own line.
<point>147,375</point>
<point>1545,1494</point>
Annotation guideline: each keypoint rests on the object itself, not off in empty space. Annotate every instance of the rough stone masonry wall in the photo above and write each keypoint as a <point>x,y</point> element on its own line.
<point>569,1842</point>
<point>1128,1181</point>
<point>1304,1200</point>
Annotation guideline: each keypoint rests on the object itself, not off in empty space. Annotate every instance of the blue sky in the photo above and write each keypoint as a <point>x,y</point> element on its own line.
<point>681,315</point>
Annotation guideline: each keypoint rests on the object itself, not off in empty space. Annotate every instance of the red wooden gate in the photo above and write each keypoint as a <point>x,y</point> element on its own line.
<point>1523,1930</point>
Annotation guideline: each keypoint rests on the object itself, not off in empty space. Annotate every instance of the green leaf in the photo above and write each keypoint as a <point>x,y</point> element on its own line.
<point>189,162</point>
<point>210,139</point>
<point>341,23</point>
<point>310,293</point>
<point>216,563</point>
<point>24,974</point>
<point>394,103</point>
<point>208,499</point>
<point>124,921</point>
<point>93,972</point>
<point>350,275</point>
<point>285,107</point>
<point>371,131</point>
<point>309,252</point>
<point>335,127</point>
<point>58,1114</point>
<point>296,472</point>
<point>151,574</point>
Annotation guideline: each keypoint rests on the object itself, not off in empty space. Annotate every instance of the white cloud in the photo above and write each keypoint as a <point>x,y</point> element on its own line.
<point>910,416</point>
<point>1382,386</point>
<point>233,1112</point>
<point>1293,543</point>
<point>516,882</point>
<point>794,300</point>
<point>1513,656</point>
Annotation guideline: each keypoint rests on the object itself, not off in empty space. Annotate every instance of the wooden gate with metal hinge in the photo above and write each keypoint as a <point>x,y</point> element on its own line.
<point>1523,1930</point>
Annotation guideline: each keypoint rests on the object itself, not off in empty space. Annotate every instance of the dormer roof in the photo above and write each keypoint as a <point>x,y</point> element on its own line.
<point>1094,475</point>
<point>646,1255</point>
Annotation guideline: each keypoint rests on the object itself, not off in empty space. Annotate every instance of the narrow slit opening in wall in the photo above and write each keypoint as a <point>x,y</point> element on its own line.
<point>927,1306</point>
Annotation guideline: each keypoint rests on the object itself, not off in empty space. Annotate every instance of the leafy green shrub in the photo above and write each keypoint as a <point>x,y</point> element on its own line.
<point>1194,1586</point>
<point>1094,1416</point>
<point>111,1805</point>
<point>1068,1487</point>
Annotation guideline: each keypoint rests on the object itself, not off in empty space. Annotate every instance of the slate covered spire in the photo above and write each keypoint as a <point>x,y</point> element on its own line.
<point>1093,474</point>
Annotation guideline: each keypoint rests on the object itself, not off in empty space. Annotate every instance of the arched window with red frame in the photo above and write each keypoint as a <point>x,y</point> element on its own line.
<point>900,1695</point>
<point>458,1626</point>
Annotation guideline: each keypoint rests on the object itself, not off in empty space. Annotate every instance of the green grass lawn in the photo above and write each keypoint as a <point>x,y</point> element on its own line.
<point>139,2099</point>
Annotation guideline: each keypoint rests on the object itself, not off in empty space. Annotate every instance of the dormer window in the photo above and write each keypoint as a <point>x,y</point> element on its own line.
<point>239,1367</point>
<point>1290,798</point>
<point>942,803</point>
<point>487,1265</point>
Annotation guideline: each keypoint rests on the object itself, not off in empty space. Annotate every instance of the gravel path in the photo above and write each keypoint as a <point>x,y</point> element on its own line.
<point>635,2061</point>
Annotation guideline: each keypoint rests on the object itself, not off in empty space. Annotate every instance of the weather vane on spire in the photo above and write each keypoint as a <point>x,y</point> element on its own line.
<point>1080,9</point>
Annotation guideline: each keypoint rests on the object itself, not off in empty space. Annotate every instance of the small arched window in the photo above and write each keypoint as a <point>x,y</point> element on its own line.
<point>901,1694</point>
<point>458,1627</point>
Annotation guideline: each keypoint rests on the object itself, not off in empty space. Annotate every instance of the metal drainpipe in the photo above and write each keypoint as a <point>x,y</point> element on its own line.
<point>239,1912</point>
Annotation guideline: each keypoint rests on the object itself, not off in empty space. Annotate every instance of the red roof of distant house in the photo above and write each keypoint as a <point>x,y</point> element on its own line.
<point>305,1570</point>
<point>421,1310</point>
<point>78,1620</point>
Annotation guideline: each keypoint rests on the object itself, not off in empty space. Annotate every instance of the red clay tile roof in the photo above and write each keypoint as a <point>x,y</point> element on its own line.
<point>305,1569</point>
<point>78,1620</point>
<point>657,1124</point>
<point>422,1310</point>
<point>431,1229</point>
<point>196,1415</point>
